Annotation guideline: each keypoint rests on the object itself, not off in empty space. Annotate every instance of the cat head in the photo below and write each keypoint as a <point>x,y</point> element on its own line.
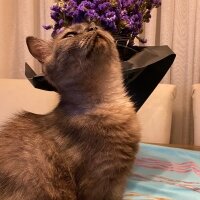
<point>77,50</point>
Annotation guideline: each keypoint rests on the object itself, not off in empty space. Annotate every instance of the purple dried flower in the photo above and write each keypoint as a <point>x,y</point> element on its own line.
<point>128,3</point>
<point>92,16</point>
<point>124,12</point>
<point>59,30</point>
<point>55,8</point>
<point>69,7</point>
<point>156,3</point>
<point>55,15</point>
<point>61,22</point>
<point>86,5</point>
<point>117,16</point>
<point>126,23</point>
<point>147,16</point>
<point>143,40</point>
<point>104,6</point>
<point>47,27</point>
<point>108,18</point>
<point>111,16</point>
<point>97,2</point>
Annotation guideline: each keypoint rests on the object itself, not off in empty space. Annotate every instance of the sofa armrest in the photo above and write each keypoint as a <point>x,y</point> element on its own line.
<point>156,115</point>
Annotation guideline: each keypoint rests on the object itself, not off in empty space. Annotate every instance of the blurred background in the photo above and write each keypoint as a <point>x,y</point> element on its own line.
<point>19,19</point>
<point>176,24</point>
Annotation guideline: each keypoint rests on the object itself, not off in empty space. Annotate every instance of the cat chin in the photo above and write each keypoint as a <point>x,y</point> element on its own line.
<point>100,48</point>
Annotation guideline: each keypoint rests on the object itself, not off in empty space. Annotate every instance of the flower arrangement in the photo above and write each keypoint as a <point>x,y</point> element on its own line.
<point>120,17</point>
<point>125,20</point>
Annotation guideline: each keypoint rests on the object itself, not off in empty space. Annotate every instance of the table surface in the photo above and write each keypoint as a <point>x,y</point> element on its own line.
<point>189,147</point>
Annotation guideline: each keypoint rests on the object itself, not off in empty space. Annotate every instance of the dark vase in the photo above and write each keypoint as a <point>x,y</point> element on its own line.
<point>143,69</point>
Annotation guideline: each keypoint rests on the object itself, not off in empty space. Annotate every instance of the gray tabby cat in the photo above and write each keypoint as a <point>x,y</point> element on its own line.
<point>85,148</point>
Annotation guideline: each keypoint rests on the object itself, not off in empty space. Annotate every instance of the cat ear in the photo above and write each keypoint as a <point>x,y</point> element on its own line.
<point>38,48</point>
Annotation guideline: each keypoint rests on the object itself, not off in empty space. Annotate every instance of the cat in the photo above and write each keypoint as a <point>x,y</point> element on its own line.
<point>85,148</point>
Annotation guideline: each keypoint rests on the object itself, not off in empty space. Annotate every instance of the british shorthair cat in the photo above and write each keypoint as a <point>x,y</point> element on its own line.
<point>85,148</point>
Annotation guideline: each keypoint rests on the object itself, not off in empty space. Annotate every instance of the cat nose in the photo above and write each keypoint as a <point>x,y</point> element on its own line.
<point>92,27</point>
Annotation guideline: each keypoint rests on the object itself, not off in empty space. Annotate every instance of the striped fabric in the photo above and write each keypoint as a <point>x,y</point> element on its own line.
<point>162,173</point>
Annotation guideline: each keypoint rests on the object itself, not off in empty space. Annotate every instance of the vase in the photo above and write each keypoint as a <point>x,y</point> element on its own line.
<point>143,69</point>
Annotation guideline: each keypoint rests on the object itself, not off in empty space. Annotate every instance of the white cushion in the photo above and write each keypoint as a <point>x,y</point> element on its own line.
<point>196,113</point>
<point>156,115</point>
<point>18,94</point>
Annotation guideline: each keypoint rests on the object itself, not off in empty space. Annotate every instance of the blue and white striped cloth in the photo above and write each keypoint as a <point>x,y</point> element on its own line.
<point>163,173</point>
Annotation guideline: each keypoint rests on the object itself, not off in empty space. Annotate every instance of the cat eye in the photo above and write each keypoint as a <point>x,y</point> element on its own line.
<point>70,34</point>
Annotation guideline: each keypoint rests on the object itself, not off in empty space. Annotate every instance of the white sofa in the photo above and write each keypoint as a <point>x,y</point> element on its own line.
<point>196,113</point>
<point>155,115</point>
<point>18,94</point>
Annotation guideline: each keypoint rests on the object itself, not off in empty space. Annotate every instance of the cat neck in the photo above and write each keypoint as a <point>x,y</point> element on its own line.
<point>85,95</point>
